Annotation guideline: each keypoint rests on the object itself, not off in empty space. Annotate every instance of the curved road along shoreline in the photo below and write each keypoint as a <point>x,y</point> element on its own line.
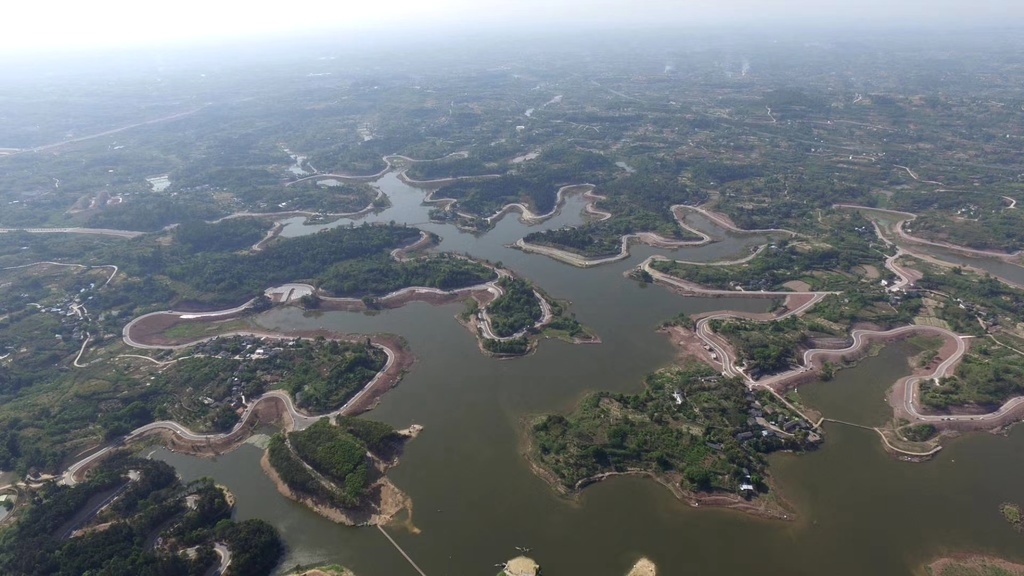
<point>299,420</point>
<point>648,238</point>
<point>96,231</point>
<point>861,338</point>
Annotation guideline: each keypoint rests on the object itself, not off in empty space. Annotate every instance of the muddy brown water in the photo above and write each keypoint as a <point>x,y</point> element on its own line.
<point>475,499</point>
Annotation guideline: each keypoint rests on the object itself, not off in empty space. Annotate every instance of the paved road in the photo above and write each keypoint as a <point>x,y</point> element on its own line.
<point>95,510</point>
<point>127,330</point>
<point>109,132</point>
<point>545,317</point>
<point>97,231</point>
<point>697,289</point>
<point>718,219</point>
<point>112,274</point>
<point>301,420</point>
<point>860,338</point>
<point>527,216</point>
<point>909,216</point>
<point>225,557</point>
<point>68,477</point>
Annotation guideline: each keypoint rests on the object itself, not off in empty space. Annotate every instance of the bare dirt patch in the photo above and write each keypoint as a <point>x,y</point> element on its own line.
<point>871,272</point>
<point>689,345</point>
<point>324,572</point>
<point>797,300</point>
<point>797,285</point>
<point>521,566</point>
<point>643,567</point>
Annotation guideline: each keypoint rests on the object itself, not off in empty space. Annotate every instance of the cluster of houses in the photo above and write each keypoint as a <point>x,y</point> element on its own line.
<point>765,421</point>
<point>74,317</point>
<point>240,348</point>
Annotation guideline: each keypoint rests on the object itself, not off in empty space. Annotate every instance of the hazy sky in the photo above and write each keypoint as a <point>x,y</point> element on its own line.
<point>41,24</point>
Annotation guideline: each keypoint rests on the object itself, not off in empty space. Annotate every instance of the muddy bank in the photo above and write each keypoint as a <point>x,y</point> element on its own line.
<point>689,346</point>
<point>150,330</point>
<point>969,565</point>
<point>757,507</point>
<point>269,411</point>
<point>429,296</point>
<point>389,378</point>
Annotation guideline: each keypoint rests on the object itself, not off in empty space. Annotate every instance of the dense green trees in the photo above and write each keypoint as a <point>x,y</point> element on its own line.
<point>379,438</point>
<point>485,197</point>
<point>232,277</point>
<point>225,236</point>
<point>382,275</point>
<point>151,505</point>
<point>590,240</point>
<point>766,347</point>
<point>254,544</point>
<point>513,347</point>
<point>292,471</point>
<point>454,166</point>
<point>210,508</point>
<point>204,267</point>
<point>514,310</point>
<point>337,455</point>
<point>339,471</point>
<point>327,383</point>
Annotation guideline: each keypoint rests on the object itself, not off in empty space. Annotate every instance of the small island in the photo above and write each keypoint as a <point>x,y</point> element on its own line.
<point>509,320</point>
<point>338,469</point>
<point>700,434</point>
<point>520,566</point>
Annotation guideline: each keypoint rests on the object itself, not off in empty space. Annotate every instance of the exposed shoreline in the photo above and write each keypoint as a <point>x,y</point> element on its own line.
<point>648,238</point>
<point>954,565</point>
<point>526,215</point>
<point>903,392</point>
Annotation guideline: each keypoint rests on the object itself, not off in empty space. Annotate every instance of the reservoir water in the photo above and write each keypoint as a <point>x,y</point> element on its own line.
<point>859,511</point>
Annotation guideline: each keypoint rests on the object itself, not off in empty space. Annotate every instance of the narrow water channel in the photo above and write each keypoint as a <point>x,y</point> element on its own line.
<point>475,499</point>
